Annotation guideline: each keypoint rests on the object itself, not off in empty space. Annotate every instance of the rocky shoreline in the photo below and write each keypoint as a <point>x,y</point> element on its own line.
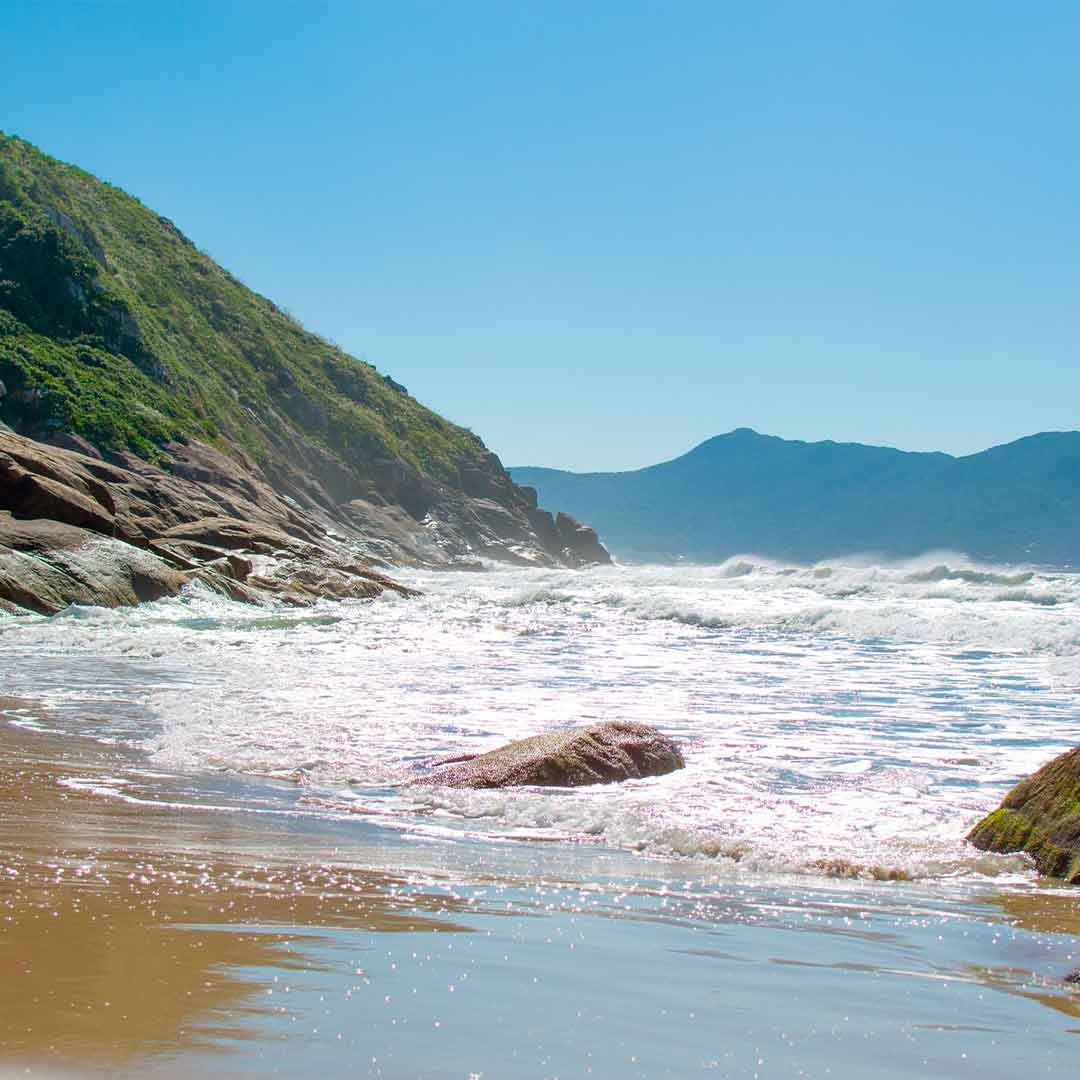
<point>79,528</point>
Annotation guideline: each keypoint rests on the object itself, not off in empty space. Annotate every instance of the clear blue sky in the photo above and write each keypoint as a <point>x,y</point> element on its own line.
<point>598,233</point>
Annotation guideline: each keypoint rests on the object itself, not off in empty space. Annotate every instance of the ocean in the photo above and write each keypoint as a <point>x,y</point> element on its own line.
<point>798,901</point>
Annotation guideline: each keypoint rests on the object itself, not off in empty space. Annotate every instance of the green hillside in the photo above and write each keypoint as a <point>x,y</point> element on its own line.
<point>114,326</point>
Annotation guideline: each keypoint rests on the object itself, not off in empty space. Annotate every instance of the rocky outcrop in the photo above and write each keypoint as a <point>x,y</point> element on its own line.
<point>196,483</point>
<point>76,529</point>
<point>45,566</point>
<point>577,545</point>
<point>597,754</point>
<point>121,341</point>
<point>580,544</point>
<point>1040,816</point>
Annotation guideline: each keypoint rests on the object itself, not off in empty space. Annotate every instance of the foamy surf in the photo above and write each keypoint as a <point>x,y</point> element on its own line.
<point>845,720</point>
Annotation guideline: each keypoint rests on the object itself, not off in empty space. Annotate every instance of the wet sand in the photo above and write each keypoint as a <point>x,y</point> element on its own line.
<point>128,932</point>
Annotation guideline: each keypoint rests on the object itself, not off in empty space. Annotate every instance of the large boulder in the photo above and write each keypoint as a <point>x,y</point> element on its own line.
<point>47,565</point>
<point>1040,816</point>
<point>597,754</point>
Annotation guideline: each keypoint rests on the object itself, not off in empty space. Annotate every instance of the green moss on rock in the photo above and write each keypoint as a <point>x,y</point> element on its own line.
<point>1041,817</point>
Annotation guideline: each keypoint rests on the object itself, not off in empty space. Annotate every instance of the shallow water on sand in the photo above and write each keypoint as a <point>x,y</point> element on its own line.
<point>798,901</point>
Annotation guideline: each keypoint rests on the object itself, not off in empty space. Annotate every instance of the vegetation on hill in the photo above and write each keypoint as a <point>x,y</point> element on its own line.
<point>114,326</point>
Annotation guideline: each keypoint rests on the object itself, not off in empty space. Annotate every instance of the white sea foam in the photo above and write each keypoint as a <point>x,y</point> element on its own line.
<point>847,719</point>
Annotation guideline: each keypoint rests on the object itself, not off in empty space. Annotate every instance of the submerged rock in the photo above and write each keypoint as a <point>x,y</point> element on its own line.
<point>1040,816</point>
<point>597,754</point>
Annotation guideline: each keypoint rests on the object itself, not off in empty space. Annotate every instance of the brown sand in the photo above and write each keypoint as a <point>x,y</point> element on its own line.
<point>128,931</point>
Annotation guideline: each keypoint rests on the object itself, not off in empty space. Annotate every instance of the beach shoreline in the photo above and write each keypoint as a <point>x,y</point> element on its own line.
<point>152,940</point>
<point>133,935</point>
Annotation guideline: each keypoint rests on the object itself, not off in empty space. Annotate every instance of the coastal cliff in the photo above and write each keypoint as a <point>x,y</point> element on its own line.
<point>144,390</point>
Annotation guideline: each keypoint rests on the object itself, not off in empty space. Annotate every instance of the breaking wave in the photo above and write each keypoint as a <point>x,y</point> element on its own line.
<point>925,601</point>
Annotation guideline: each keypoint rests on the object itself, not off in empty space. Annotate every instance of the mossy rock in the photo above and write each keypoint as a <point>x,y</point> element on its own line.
<point>1040,816</point>
<point>598,754</point>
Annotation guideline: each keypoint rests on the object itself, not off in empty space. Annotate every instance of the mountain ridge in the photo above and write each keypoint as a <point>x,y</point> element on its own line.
<point>743,491</point>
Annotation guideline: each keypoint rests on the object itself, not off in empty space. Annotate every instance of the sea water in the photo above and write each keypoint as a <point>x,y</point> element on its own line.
<point>799,900</point>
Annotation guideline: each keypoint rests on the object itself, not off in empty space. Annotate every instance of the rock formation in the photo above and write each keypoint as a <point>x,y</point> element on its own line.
<point>75,529</point>
<point>1040,816</point>
<point>597,754</point>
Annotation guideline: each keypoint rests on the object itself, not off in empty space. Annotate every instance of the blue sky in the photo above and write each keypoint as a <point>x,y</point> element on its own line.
<point>599,233</point>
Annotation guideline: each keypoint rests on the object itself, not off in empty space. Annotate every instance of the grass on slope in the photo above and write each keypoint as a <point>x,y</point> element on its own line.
<point>115,326</point>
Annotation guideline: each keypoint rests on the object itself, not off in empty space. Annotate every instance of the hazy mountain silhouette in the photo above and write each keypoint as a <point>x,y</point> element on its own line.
<point>745,492</point>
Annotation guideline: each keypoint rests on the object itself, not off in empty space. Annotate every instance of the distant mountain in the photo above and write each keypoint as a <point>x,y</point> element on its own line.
<point>749,493</point>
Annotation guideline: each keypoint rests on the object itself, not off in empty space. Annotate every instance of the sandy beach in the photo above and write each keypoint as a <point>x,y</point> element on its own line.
<point>131,934</point>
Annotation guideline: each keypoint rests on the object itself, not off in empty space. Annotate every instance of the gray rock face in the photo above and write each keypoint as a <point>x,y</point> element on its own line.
<point>597,754</point>
<point>580,544</point>
<point>45,566</point>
